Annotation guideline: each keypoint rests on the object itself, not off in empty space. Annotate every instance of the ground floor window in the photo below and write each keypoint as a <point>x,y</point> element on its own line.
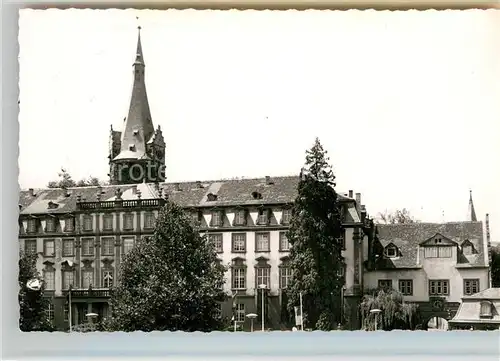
<point>240,312</point>
<point>50,312</point>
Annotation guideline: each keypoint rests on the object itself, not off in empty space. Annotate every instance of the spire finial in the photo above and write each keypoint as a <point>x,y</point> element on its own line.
<point>139,58</point>
<point>471,217</point>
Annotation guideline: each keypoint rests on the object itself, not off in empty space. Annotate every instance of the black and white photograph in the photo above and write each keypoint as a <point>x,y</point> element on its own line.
<point>258,171</point>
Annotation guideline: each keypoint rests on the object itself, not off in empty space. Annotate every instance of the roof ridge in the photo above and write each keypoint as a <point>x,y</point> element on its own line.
<point>425,223</point>
<point>243,178</point>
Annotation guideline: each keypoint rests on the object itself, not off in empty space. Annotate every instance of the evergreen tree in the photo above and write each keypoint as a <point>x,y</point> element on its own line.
<point>32,304</point>
<point>315,256</point>
<point>170,281</point>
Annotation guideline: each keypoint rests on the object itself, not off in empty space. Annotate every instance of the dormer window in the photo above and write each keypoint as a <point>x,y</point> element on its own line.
<point>50,225</point>
<point>240,216</point>
<point>52,205</point>
<point>195,218</point>
<point>69,224</point>
<point>211,197</point>
<point>286,216</point>
<point>391,251</point>
<point>216,219</point>
<point>256,195</point>
<point>437,252</point>
<point>263,217</point>
<point>31,228</point>
<point>467,248</point>
<point>485,310</point>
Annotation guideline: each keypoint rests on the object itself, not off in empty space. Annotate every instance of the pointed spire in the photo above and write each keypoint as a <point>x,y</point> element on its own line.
<point>139,56</point>
<point>138,127</point>
<point>471,217</point>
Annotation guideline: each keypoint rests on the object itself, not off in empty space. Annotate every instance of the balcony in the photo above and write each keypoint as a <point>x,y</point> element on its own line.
<point>136,203</point>
<point>89,293</point>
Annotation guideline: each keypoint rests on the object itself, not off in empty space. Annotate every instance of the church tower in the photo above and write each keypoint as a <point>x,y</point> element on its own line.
<point>137,153</point>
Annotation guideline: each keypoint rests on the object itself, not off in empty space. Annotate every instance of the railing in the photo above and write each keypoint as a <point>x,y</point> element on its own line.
<point>89,293</point>
<point>158,202</point>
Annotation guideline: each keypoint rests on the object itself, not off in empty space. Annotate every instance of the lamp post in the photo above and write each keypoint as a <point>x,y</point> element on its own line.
<point>252,317</point>
<point>70,314</point>
<point>301,315</point>
<point>91,316</point>
<point>262,287</point>
<point>376,312</point>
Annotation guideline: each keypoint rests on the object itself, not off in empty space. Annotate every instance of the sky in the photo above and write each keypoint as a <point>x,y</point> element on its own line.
<point>406,103</point>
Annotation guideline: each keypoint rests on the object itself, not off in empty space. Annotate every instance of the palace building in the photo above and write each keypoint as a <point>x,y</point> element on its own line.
<point>81,234</point>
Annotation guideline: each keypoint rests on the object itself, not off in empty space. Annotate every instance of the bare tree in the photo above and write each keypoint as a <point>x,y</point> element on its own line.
<point>66,181</point>
<point>399,216</point>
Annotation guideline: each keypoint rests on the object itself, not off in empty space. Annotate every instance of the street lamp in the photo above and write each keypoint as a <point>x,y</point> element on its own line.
<point>376,312</point>
<point>91,316</point>
<point>252,317</point>
<point>262,287</point>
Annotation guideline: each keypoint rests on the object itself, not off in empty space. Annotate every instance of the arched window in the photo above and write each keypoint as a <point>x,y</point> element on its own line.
<point>485,309</point>
<point>263,273</point>
<point>87,274</point>
<point>238,274</point>
<point>285,273</point>
<point>68,275</point>
<point>49,276</point>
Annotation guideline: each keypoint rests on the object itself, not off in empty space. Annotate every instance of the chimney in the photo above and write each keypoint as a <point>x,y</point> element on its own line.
<point>139,194</point>
<point>78,198</point>
<point>157,188</point>
<point>269,181</point>
<point>351,193</point>
<point>134,189</point>
<point>488,244</point>
<point>363,213</point>
<point>358,201</point>
<point>32,192</point>
<point>487,224</point>
<point>99,196</point>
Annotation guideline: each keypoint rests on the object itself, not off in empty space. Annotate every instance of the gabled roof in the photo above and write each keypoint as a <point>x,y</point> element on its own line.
<point>238,192</point>
<point>408,237</point>
<point>438,240</point>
